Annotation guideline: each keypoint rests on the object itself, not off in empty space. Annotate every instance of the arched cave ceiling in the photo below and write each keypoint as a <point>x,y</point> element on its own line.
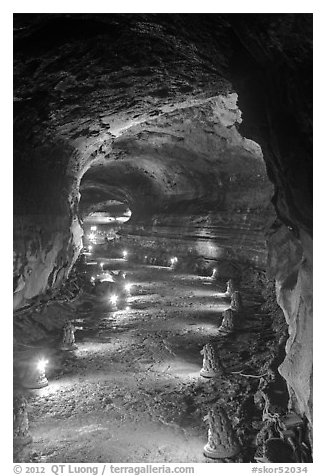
<point>191,156</point>
<point>143,109</point>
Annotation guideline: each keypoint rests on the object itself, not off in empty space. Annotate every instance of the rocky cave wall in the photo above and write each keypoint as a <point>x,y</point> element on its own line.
<point>272,73</point>
<point>96,89</point>
<point>196,187</point>
<point>224,241</point>
<point>47,234</point>
<point>45,249</point>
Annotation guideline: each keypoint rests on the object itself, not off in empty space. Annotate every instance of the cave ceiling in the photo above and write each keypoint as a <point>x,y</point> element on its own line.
<point>141,109</point>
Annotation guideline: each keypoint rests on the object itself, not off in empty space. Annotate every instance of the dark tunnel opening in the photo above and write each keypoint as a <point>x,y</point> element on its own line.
<point>162,238</point>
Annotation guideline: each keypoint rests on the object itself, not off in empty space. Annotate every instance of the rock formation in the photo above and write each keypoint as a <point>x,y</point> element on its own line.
<point>230,288</point>
<point>200,124</point>
<point>222,441</point>
<point>228,323</point>
<point>68,339</point>
<point>236,301</point>
<point>21,424</point>
<point>212,366</point>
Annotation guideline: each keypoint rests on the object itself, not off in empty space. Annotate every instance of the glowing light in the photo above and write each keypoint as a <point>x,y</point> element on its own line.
<point>92,279</point>
<point>125,254</point>
<point>127,308</point>
<point>124,275</point>
<point>209,250</point>
<point>90,247</point>
<point>41,364</point>
<point>114,299</point>
<point>128,287</point>
<point>122,219</point>
<point>102,264</point>
<point>174,260</point>
<point>93,228</point>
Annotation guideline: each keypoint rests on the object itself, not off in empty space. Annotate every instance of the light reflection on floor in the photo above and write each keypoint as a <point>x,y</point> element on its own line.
<point>143,349</point>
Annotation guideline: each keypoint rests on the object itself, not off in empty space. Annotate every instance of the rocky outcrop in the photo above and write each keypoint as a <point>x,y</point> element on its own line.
<point>45,249</point>
<point>290,263</point>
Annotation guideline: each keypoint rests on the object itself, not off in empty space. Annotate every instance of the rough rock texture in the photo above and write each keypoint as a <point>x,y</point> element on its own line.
<point>143,109</point>
<point>21,425</point>
<point>275,68</point>
<point>216,237</point>
<point>44,250</point>
<point>292,269</point>
<point>222,441</point>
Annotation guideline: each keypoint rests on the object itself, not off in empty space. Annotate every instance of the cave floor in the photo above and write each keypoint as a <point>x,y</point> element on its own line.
<point>131,392</point>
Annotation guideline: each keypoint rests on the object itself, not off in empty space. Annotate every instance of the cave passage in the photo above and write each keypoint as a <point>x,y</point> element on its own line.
<point>162,264</point>
<point>131,390</point>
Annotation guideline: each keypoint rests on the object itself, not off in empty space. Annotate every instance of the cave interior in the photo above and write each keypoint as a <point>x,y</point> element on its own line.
<point>162,237</point>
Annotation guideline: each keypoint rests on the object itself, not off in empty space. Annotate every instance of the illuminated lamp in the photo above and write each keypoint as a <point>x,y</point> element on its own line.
<point>174,262</point>
<point>35,377</point>
<point>128,287</point>
<point>114,299</point>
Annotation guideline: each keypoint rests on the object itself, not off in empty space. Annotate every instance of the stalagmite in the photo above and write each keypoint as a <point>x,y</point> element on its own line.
<point>222,441</point>
<point>68,340</point>
<point>21,425</point>
<point>212,366</point>
<point>227,325</point>
<point>236,301</point>
<point>229,288</point>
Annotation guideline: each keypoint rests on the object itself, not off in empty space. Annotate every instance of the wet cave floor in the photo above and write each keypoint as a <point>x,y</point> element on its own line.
<point>131,392</point>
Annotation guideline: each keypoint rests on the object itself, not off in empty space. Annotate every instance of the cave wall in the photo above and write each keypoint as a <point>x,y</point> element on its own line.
<point>45,248</point>
<point>223,240</point>
<point>272,73</point>
<point>290,264</point>
<point>47,235</point>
